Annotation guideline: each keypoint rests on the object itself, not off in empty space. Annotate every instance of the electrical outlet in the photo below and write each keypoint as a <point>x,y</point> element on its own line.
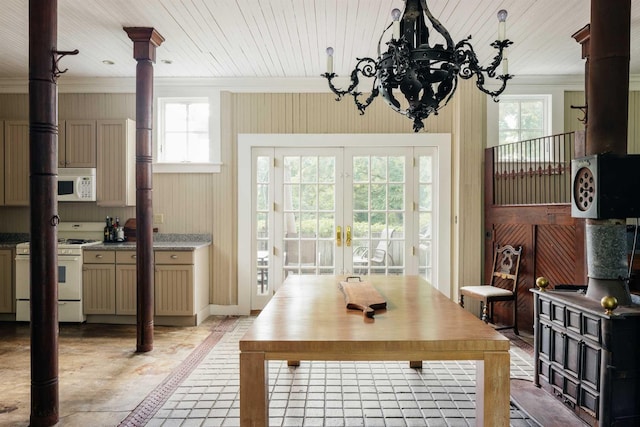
<point>158,218</point>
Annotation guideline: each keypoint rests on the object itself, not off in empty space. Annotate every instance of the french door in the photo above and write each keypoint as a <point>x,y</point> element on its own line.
<point>342,210</point>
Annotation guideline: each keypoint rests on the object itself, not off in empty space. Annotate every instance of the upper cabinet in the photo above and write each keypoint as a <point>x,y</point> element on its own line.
<point>16,163</point>
<point>107,145</point>
<point>115,170</point>
<point>77,144</point>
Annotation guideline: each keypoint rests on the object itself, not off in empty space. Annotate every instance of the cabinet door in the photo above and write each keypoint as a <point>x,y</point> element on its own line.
<point>115,169</point>
<point>98,289</point>
<point>79,145</point>
<point>126,290</point>
<point>16,163</point>
<point>174,290</point>
<point>6,281</point>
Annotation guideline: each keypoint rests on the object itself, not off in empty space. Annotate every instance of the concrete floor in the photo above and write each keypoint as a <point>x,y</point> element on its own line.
<point>101,377</point>
<point>191,379</point>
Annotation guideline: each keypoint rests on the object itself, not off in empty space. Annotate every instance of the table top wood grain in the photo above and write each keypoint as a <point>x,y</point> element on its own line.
<point>308,314</point>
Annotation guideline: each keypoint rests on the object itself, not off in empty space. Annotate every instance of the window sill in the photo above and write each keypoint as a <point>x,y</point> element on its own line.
<point>186,167</point>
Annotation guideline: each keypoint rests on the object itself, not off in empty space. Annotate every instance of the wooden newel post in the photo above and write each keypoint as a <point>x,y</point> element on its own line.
<point>145,40</point>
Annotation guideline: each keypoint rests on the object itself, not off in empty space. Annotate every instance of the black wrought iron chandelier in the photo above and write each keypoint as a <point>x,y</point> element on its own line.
<point>426,75</point>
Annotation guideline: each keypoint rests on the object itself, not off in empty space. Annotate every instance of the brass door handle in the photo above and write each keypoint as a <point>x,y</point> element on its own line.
<point>338,236</point>
<point>348,240</point>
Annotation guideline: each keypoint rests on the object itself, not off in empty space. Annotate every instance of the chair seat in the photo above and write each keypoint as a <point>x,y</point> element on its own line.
<point>485,291</point>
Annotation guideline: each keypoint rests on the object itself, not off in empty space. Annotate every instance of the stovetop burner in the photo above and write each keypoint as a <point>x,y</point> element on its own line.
<point>75,241</point>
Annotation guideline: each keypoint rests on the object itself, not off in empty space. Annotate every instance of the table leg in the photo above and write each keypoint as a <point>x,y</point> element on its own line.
<point>492,390</point>
<point>254,395</point>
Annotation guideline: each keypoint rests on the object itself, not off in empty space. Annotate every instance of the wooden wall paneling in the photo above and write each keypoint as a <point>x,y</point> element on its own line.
<point>16,163</point>
<point>517,235</point>
<point>14,106</point>
<point>573,116</point>
<point>556,255</point>
<point>2,162</point>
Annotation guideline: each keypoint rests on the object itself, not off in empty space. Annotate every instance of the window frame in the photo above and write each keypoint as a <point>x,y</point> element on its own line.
<point>546,111</point>
<point>199,93</point>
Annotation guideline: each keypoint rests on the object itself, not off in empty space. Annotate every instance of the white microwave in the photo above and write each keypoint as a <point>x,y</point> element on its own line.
<point>77,184</point>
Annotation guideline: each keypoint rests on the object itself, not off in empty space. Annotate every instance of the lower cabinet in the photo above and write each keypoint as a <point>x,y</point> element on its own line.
<point>99,282</point>
<point>7,298</point>
<point>126,280</point>
<point>181,287</point>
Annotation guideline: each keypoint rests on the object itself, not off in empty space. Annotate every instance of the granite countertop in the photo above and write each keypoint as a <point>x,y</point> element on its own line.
<point>10,240</point>
<point>174,242</point>
<point>167,241</point>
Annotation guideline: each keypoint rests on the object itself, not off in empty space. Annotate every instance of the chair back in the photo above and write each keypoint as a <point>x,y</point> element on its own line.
<point>506,266</point>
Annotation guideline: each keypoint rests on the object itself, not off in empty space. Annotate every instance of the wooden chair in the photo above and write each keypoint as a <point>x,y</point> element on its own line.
<point>506,264</point>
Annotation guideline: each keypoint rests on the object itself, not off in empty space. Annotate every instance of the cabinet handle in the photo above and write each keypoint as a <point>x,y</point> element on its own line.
<point>174,256</point>
<point>134,256</point>
<point>99,256</point>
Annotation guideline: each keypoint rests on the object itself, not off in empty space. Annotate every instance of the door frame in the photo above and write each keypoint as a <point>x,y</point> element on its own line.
<point>441,141</point>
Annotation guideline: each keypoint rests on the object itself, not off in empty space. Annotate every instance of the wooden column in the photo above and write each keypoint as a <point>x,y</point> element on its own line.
<point>145,40</point>
<point>43,165</point>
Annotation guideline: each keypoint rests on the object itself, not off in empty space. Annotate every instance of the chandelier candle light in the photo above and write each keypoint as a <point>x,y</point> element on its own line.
<point>427,75</point>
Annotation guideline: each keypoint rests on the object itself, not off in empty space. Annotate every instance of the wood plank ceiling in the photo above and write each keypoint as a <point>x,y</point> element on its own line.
<point>287,38</point>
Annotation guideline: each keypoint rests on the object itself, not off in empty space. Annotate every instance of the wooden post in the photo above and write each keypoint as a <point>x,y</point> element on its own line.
<point>145,40</point>
<point>43,165</point>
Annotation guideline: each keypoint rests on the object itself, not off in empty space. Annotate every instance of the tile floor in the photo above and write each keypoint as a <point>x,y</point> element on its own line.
<point>334,393</point>
<point>104,383</point>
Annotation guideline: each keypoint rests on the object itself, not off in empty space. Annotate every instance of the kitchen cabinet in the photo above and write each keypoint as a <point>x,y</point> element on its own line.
<point>181,286</point>
<point>16,163</point>
<point>115,169</point>
<point>99,283</point>
<point>126,280</point>
<point>181,283</point>
<point>588,359</point>
<point>7,298</point>
<point>77,144</point>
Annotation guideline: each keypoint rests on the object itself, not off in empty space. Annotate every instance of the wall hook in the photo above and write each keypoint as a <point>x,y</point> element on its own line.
<point>56,56</point>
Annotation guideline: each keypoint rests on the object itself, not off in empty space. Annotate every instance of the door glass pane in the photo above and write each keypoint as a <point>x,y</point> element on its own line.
<point>309,205</point>
<point>425,208</point>
<point>378,203</point>
<point>262,223</point>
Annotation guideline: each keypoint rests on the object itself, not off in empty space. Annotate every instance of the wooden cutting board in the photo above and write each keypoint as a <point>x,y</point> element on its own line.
<point>362,296</point>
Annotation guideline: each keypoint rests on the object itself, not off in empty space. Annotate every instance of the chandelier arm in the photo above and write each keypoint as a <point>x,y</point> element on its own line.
<point>495,93</point>
<point>365,67</point>
<point>363,105</point>
<point>437,25</point>
<point>381,36</point>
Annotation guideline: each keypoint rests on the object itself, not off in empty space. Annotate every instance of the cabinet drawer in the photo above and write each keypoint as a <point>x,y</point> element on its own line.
<point>174,257</point>
<point>125,257</point>
<point>99,257</point>
<point>558,314</point>
<point>545,308</point>
<point>589,400</point>
<point>574,320</point>
<point>591,328</point>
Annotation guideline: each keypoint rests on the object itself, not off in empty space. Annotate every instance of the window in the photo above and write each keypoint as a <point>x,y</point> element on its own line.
<point>523,118</point>
<point>183,130</point>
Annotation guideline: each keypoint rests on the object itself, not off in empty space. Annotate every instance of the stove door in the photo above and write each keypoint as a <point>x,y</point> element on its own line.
<point>69,278</point>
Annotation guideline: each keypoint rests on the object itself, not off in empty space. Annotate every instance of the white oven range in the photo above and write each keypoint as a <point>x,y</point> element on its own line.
<point>72,237</point>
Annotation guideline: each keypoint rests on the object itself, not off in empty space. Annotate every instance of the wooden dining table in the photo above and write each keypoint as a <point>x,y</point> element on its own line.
<point>307,320</point>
